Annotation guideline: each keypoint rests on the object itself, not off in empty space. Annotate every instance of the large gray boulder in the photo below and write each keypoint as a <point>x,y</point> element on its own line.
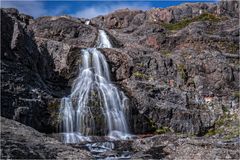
<point>22,142</point>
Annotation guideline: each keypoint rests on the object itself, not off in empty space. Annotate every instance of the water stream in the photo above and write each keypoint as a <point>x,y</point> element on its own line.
<point>95,106</point>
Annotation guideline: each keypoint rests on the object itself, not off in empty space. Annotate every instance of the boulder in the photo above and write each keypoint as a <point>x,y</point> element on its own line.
<point>22,142</point>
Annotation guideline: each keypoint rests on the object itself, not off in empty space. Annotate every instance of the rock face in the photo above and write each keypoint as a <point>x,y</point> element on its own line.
<point>180,147</point>
<point>184,75</point>
<point>179,66</point>
<point>36,66</point>
<point>22,142</point>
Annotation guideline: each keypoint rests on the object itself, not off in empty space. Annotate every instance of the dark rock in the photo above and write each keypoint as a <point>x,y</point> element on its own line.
<point>22,142</point>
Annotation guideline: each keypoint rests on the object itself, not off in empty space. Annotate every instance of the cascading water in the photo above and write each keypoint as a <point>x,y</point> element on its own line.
<point>95,106</point>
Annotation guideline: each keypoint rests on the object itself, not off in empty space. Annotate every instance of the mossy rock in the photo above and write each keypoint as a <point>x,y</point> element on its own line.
<point>166,53</point>
<point>183,72</point>
<point>185,22</point>
<point>140,75</point>
<point>236,94</point>
<point>227,127</point>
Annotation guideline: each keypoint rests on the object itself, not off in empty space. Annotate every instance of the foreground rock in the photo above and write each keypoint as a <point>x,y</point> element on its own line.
<point>22,142</point>
<point>180,147</point>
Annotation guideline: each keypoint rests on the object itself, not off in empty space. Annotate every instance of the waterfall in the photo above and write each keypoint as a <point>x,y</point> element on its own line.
<point>95,105</point>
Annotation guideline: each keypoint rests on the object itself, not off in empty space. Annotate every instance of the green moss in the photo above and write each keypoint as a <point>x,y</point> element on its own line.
<point>236,94</point>
<point>138,74</point>
<point>140,64</point>
<point>152,124</point>
<point>182,70</point>
<point>166,53</point>
<point>162,130</point>
<point>178,25</point>
<point>226,126</point>
<point>207,17</point>
<point>183,23</point>
<point>213,132</point>
<point>225,109</point>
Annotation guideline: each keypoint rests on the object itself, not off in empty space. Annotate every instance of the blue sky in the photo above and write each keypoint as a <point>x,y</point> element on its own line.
<point>85,9</point>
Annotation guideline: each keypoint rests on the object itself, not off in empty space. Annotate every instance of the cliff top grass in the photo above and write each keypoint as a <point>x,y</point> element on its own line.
<point>183,23</point>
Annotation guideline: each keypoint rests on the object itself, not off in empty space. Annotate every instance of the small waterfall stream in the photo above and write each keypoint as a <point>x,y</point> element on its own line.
<point>95,106</point>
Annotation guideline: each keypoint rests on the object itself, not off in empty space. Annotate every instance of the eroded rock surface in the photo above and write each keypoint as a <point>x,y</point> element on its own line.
<point>180,147</point>
<point>22,142</point>
<point>178,66</point>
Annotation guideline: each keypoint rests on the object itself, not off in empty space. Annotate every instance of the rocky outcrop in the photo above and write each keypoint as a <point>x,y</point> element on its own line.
<point>182,75</point>
<point>22,142</point>
<point>178,66</point>
<point>28,78</point>
<point>230,8</point>
<point>180,147</point>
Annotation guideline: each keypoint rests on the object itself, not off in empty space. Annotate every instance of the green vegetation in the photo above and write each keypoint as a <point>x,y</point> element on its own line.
<point>182,70</point>
<point>227,126</point>
<point>178,25</point>
<point>236,94</point>
<point>152,124</point>
<point>183,23</point>
<point>166,53</point>
<point>138,74</point>
<point>140,64</point>
<point>225,109</point>
<point>213,132</point>
<point>207,17</point>
<point>162,130</point>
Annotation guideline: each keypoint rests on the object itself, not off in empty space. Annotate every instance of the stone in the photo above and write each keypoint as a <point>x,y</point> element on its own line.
<point>22,142</point>
<point>174,78</point>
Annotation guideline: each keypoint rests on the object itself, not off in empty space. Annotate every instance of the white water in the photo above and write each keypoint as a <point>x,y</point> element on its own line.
<point>95,105</point>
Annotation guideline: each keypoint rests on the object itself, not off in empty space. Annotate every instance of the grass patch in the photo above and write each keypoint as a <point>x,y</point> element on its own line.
<point>183,23</point>
<point>213,132</point>
<point>138,74</point>
<point>162,130</point>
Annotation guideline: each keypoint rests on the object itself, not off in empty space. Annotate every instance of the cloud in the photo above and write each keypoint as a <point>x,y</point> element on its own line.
<point>94,11</point>
<point>34,8</point>
<point>38,8</point>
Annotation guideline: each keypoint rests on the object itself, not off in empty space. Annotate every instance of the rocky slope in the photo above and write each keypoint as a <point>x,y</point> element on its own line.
<point>178,66</point>
<point>22,142</point>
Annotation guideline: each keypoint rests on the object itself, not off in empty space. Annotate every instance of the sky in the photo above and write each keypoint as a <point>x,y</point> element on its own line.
<point>84,8</point>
